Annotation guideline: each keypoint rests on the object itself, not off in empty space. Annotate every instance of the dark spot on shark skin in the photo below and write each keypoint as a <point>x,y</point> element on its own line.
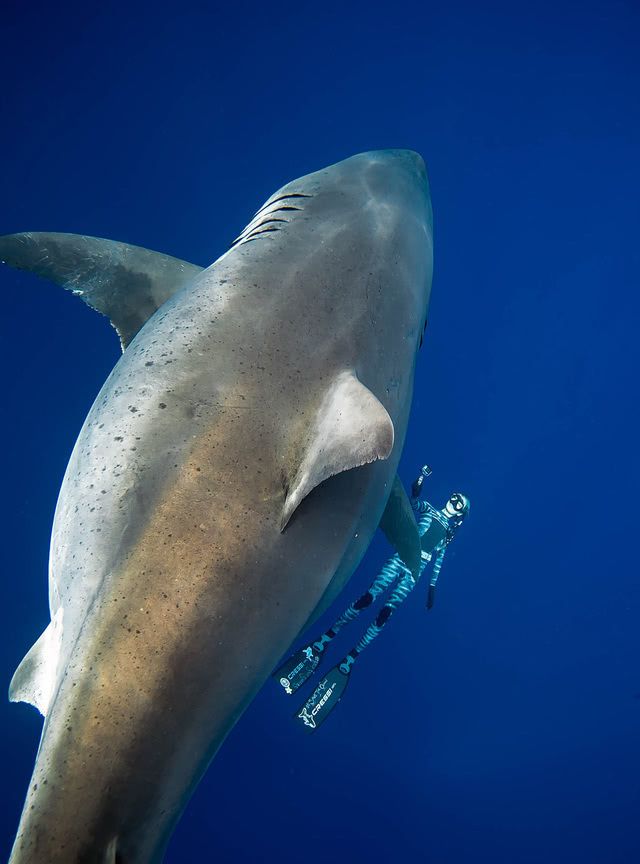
<point>163,405</point>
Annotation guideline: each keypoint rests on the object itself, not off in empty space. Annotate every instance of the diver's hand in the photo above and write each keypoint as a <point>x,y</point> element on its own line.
<point>416,489</point>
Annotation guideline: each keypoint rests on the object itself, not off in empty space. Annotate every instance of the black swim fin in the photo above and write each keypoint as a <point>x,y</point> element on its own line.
<point>295,671</point>
<point>431,596</point>
<point>323,700</point>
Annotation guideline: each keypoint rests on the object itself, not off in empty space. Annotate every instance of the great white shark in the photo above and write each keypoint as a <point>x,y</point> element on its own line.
<point>223,488</point>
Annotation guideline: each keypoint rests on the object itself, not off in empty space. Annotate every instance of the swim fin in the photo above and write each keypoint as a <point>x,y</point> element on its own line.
<point>323,700</point>
<point>295,671</point>
<point>431,596</point>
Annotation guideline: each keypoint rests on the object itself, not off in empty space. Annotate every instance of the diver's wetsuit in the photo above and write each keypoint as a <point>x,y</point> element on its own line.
<point>435,532</point>
<point>436,529</point>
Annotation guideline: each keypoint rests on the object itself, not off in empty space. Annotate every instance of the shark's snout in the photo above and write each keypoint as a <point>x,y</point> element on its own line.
<point>405,159</point>
<point>399,162</point>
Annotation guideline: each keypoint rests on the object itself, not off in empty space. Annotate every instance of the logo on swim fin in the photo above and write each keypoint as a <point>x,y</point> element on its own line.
<point>287,686</point>
<point>316,703</point>
<point>297,669</point>
<point>307,719</point>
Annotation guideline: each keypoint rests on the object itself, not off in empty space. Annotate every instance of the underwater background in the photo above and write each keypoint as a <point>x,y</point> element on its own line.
<point>503,725</point>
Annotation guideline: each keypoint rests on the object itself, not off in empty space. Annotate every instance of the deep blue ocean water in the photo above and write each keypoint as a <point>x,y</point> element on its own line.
<point>503,726</point>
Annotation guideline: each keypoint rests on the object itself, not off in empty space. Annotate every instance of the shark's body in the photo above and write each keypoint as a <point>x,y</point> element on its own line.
<point>175,586</point>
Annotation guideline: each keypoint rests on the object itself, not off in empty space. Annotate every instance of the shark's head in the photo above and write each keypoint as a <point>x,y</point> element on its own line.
<point>354,242</point>
<point>380,224</point>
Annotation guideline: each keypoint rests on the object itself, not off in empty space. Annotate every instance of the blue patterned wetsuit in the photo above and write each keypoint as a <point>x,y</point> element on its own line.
<point>436,532</point>
<point>433,527</point>
<point>436,529</point>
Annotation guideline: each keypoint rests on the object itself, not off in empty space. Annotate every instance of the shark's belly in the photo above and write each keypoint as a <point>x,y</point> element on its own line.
<point>181,636</point>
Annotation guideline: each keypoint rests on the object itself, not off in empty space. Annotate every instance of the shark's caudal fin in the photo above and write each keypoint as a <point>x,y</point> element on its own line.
<point>34,679</point>
<point>352,427</point>
<point>125,283</point>
<point>401,529</point>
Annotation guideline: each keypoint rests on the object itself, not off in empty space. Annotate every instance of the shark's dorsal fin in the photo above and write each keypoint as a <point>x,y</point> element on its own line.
<point>34,679</point>
<point>125,283</point>
<point>352,427</point>
<point>401,529</point>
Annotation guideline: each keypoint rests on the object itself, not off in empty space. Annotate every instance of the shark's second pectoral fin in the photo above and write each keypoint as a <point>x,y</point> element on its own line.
<point>34,679</point>
<point>125,283</point>
<point>351,428</point>
<point>401,529</point>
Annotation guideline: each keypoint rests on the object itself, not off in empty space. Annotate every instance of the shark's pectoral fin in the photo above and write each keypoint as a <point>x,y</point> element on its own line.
<point>125,283</point>
<point>352,427</point>
<point>34,679</point>
<point>400,527</point>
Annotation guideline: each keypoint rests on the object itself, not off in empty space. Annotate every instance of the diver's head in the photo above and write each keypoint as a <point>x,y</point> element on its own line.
<point>457,507</point>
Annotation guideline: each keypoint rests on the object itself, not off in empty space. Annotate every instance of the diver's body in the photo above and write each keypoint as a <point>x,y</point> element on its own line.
<point>437,529</point>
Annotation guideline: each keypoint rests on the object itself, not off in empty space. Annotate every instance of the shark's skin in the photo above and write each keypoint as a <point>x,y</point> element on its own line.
<point>179,589</point>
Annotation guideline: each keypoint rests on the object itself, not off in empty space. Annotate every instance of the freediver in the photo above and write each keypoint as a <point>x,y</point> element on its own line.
<point>437,528</point>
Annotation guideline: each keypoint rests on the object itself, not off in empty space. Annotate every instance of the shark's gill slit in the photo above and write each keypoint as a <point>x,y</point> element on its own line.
<point>265,231</point>
<point>252,229</point>
<point>267,221</point>
<point>282,198</point>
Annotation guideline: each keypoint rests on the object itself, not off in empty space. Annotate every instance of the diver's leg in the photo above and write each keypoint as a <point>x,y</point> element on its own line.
<point>331,688</point>
<point>403,589</point>
<point>300,666</point>
<point>391,572</point>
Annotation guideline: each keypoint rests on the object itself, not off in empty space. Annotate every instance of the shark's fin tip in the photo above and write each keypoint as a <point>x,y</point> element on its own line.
<point>124,282</point>
<point>34,679</point>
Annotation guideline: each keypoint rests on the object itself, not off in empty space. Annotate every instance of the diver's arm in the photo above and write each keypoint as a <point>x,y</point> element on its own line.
<point>416,488</point>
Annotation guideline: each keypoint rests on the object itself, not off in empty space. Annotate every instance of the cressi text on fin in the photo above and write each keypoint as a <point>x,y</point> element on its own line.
<point>126,283</point>
<point>323,700</point>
